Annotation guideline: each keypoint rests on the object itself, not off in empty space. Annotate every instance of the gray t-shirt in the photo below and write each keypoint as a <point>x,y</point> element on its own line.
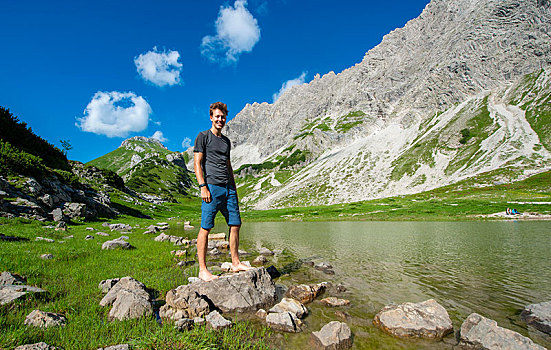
<point>216,153</point>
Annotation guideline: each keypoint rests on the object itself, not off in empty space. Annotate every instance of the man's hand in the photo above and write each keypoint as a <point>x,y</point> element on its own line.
<point>205,194</point>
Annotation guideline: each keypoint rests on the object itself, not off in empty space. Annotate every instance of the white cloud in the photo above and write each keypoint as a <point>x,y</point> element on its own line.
<point>289,83</point>
<point>186,143</point>
<point>158,135</point>
<point>115,114</point>
<point>159,68</point>
<point>237,31</point>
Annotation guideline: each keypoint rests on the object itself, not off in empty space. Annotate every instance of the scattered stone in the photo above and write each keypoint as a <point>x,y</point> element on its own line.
<point>117,243</point>
<point>223,245</point>
<point>214,251</point>
<point>162,223</point>
<point>183,324</point>
<point>309,263</point>
<point>334,335</point>
<point>305,293</point>
<point>68,237</point>
<point>106,285</point>
<point>261,313</point>
<point>102,234</point>
<point>74,210</point>
<point>325,268</point>
<point>483,333</point>
<point>46,256</point>
<point>333,302</point>
<point>265,251</point>
<point>61,226</point>
<point>11,278</point>
<point>340,288</point>
<point>49,240</point>
<point>162,237</point>
<point>130,299</point>
<point>242,252</point>
<point>89,237</point>
<point>36,346</point>
<point>43,319</point>
<point>185,263</point>
<point>90,229</point>
<point>193,279</point>
<point>226,266</point>
<point>57,214</point>
<point>342,315</point>
<point>538,316</point>
<point>427,319</point>
<point>290,305</point>
<point>117,347</point>
<point>284,322</point>
<point>188,227</point>
<point>120,227</point>
<point>246,291</point>
<point>179,253</point>
<point>105,224</point>
<point>260,260</point>
<point>199,321</point>
<point>216,321</point>
<point>11,238</point>
<point>217,236</point>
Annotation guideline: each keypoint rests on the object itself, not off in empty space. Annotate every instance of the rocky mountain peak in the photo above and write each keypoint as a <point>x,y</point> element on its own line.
<point>130,143</point>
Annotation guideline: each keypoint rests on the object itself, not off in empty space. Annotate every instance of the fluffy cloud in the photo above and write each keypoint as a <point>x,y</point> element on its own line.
<point>158,135</point>
<point>159,68</point>
<point>186,143</point>
<point>289,83</point>
<point>237,31</point>
<point>115,114</point>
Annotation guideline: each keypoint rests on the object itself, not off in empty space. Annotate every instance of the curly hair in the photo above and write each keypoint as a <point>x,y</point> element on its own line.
<point>219,105</point>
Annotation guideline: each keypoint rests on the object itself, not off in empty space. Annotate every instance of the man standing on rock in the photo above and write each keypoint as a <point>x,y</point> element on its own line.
<point>218,191</point>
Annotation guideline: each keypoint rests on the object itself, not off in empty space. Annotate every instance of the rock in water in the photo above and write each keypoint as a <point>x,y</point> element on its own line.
<point>483,333</point>
<point>43,319</point>
<point>290,305</point>
<point>427,319</point>
<point>246,291</point>
<point>538,316</point>
<point>36,346</point>
<point>217,321</point>
<point>305,293</point>
<point>334,335</point>
<point>333,301</point>
<point>284,322</point>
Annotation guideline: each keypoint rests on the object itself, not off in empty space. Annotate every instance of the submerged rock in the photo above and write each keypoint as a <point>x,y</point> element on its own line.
<point>538,316</point>
<point>333,301</point>
<point>334,335</point>
<point>305,293</point>
<point>290,305</point>
<point>284,322</point>
<point>427,319</point>
<point>483,333</point>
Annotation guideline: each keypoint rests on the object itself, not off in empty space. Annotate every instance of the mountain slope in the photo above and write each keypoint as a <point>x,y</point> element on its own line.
<point>147,166</point>
<point>423,109</point>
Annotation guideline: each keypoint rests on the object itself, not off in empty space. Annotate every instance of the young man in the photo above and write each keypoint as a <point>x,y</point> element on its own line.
<point>215,177</point>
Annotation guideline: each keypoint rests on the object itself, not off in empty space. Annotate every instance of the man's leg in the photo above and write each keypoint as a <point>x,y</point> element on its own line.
<point>237,265</point>
<point>202,244</point>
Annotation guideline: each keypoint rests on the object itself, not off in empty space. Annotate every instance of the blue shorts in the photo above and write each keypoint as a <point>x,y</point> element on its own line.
<point>223,199</point>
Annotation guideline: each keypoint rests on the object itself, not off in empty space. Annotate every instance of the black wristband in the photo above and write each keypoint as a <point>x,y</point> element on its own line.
<point>202,185</point>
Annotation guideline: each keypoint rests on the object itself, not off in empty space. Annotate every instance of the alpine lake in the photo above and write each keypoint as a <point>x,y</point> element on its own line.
<point>493,268</point>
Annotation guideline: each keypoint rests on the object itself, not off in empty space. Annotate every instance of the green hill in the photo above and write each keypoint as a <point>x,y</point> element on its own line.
<point>147,166</point>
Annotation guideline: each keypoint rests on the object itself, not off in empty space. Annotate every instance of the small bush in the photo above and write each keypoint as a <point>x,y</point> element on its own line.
<point>465,136</point>
<point>15,161</point>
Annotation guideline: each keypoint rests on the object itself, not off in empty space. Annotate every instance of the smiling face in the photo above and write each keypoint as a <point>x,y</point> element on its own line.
<point>218,119</point>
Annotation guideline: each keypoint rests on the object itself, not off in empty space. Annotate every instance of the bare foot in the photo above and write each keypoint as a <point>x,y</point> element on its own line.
<point>240,267</point>
<point>207,276</point>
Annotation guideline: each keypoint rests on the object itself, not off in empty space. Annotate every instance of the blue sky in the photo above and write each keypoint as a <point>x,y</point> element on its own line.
<point>98,72</point>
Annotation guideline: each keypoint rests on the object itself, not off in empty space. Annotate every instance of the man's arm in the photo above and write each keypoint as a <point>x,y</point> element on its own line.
<point>197,160</point>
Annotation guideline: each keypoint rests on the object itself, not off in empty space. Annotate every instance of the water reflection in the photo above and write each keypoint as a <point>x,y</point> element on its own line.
<point>492,268</point>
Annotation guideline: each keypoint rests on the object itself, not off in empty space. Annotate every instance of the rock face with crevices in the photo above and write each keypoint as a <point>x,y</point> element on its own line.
<point>246,291</point>
<point>333,336</point>
<point>538,316</point>
<point>427,319</point>
<point>482,333</point>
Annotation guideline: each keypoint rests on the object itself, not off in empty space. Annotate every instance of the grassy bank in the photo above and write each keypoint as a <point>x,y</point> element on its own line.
<point>72,277</point>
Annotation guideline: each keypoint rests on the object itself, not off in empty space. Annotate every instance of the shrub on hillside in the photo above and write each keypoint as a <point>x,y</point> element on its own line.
<point>20,136</point>
<point>15,161</point>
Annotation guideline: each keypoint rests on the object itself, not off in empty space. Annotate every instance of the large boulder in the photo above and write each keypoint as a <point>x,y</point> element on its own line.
<point>12,292</point>
<point>43,319</point>
<point>427,319</point>
<point>74,210</point>
<point>333,336</point>
<point>130,299</point>
<point>118,243</point>
<point>538,316</point>
<point>246,291</point>
<point>480,332</point>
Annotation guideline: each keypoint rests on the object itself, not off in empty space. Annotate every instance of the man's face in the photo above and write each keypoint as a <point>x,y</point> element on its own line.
<point>218,119</point>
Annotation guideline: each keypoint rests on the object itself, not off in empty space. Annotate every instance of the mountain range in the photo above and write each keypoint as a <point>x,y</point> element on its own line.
<point>460,92</point>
